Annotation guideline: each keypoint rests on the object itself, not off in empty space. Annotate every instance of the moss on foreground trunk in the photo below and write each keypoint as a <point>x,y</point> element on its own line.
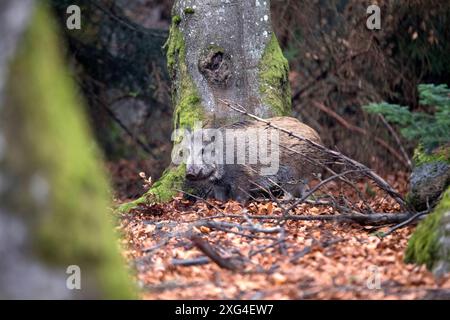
<point>59,191</point>
<point>430,243</point>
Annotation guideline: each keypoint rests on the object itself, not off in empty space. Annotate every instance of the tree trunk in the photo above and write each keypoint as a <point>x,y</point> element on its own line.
<point>430,179</point>
<point>430,243</point>
<point>221,50</point>
<point>53,193</point>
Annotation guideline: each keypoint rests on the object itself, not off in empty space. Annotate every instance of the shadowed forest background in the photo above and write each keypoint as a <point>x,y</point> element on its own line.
<point>336,67</point>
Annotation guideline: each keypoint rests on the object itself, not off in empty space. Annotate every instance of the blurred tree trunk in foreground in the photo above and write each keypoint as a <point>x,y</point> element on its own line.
<point>221,50</point>
<point>430,183</point>
<point>430,243</point>
<point>53,193</point>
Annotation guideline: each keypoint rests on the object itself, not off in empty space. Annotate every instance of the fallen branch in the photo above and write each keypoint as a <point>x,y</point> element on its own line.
<point>171,285</point>
<point>364,219</point>
<point>191,262</point>
<point>226,227</point>
<point>209,251</point>
<point>220,224</point>
<point>353,163</point>
<point>405,223</point>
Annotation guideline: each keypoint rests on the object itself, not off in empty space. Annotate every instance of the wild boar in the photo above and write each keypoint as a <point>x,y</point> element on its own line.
<point>244,158</point>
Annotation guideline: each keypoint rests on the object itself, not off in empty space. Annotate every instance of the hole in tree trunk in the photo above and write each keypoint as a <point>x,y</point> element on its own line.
<point>215,65</point>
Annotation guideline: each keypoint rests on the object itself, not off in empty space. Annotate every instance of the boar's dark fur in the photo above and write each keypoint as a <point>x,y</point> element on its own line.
<point>297,164</point>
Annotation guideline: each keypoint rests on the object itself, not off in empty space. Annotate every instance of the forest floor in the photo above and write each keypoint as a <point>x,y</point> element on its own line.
<point>172,247</point>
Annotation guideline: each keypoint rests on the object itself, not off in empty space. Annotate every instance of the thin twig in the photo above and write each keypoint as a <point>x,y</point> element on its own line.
<point>315,188</point>
<point>363,169</point>
<point>397,140</point>
<point>405,223</point>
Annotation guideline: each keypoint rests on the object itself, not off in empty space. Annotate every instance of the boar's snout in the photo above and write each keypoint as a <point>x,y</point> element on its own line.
<point>195,172</point>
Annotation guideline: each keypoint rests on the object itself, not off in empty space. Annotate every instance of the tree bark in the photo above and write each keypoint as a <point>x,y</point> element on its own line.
<point>430,243</point>
<point>221,50</point>
<point>227,50</point>
<point>429,186</point>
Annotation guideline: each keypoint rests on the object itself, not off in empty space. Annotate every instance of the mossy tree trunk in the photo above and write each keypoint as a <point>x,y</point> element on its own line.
<point>53,192</point>
<point>430,176</point>
<point>221,50</point>
<point>430,243</point>
<point>430,179</point>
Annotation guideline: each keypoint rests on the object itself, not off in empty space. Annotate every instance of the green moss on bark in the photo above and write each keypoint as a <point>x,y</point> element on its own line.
<point>274,81</point>
<point>428,178</point>
<point>187,100</point>
<point>54,139</point>
<point>171,181</point>
<point>176,20</point>
<point>423,246</point>
<point>188,111</point>
<point>440,154</point>
<point>162,190</point>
